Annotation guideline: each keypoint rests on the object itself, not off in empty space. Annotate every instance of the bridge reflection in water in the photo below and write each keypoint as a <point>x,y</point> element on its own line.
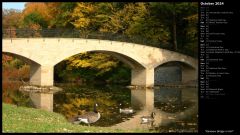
<point>182,103</point>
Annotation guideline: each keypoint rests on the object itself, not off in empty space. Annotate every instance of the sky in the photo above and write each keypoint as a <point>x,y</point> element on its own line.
<point>13,5</point>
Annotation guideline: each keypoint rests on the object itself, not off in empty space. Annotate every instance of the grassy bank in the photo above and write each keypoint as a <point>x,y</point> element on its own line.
<point>23,119</point>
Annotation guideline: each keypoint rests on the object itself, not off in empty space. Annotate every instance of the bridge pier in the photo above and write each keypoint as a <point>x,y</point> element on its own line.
<point>41,75</point>
<point>142,77</point>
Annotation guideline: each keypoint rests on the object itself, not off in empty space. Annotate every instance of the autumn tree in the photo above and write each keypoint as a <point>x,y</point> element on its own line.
<point>61,13</point>
<point>11,18</point>
<point>6,59</point>
<point>173,16</point>
<point>39,7</point>
<point>11,21</point>
<point>90,65</point>
<point>83,15</point>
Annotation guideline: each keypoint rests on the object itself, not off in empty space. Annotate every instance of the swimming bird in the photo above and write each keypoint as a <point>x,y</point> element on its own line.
<point>88,118</point>
<point>125,110</point>
<point>147,119</point>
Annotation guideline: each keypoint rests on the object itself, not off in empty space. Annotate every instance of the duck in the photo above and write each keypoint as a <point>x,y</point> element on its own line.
<point>148,119</point>
<point>125,110</point>
<point>88,118</point>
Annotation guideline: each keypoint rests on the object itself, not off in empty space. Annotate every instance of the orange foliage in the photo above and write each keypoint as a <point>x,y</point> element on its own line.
<point>8,88</point>
<point>53,8</point>
<point>11,19</point>
<point>15,74</point>
<point>39,7</point>
<point>35,27</point>
<point>11,81</point>
<point>6,59</point>
<point>24,72</point>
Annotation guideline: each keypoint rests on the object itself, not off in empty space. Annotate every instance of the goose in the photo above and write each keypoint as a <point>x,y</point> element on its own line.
<point>147,119</point>
<point>125,110</point>
<point>88,118</point>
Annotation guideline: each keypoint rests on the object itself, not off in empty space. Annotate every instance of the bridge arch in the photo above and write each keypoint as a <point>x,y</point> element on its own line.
<point>123,58</point>
<point>35,67</point>
<point>178,63</point>
<point>175,72</point>
<point>20,57</point>
<point>170,56</point>
<point>138,70</point>
<point>118,51</point>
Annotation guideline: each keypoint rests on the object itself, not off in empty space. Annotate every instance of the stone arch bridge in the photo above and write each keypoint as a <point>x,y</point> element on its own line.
<point>42,54</point>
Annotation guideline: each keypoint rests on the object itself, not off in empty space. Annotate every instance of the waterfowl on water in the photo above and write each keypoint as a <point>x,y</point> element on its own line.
<point>125,110</point>
<point>88,118</point>
<point>147,119</point>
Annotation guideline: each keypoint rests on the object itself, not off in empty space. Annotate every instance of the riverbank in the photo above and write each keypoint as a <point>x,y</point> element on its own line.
<point>23,119</point>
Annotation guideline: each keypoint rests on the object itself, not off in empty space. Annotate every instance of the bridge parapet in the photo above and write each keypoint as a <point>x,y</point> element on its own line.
<point>74,33</point>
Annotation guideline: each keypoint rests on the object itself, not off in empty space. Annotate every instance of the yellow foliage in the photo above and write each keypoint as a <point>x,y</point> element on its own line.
<point>82,101</point>
<point>99,61</point>
<point>82,14</point>
<point>39,7</point>
<point>67,106</point>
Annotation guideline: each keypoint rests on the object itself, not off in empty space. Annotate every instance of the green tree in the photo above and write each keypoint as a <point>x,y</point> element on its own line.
<point>35,18</point>
<point>173,16</point>
<point>61,13</point>
<point>148,29</point>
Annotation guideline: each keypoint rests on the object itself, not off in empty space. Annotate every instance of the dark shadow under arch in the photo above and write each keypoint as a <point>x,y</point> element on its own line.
<point>175,72</point>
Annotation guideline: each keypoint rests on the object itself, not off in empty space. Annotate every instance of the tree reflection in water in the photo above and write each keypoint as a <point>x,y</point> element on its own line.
<point>76,100</point>
<point>176,109</point>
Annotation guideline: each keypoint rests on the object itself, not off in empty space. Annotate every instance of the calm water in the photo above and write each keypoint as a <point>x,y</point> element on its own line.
<point>176,109</point>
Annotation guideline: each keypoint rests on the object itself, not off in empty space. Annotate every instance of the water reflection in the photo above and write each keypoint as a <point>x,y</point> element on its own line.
<point>142,99</point>
<point>178,118</point>
<point>77,100</point>
<point>176,109</point>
